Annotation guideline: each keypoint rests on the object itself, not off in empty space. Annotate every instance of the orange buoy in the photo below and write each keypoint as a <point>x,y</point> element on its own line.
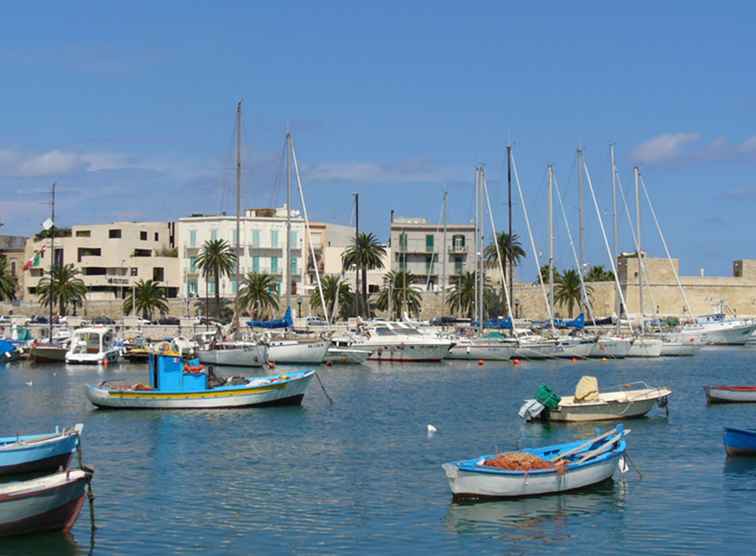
<point>481,362</point>
<point>574,359</point>
<point>515,361</point>
<point>328,364</point>
<point>271,364</point>
<point>105,362</point>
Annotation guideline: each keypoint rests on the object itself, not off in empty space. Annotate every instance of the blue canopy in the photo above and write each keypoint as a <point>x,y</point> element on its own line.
<point>286,322</point>
<point>6,348</point>
<point>497,324</point>
<point>576,323</point>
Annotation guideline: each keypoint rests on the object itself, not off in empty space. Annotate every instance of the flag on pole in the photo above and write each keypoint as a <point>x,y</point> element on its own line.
<point>47,224</point>
<point>35,260</point>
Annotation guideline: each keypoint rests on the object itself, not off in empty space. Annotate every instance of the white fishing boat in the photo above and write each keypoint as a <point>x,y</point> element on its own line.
<point>234,354</point>
<point>645,346</point>
<point>298,352</point>
<point>730,394</point>
<point>49,503</point>
<point>611,347</point>
<point>717,329</point>
<point>538,471</point>
<point>93,346</point>
<point>388,342</point>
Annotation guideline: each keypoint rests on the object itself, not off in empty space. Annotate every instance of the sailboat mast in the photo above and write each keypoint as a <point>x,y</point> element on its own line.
<point>636,173</point>
<point>445,250</point>
<point>356,240</point>
<point>238,213</point>
<point>475,241</point>
<point>52,258</point>
<point>287,242</point>
<point>509,206</point>
<point>550,203</point>
<point>615,224</point>
<point>481,245</point>
<point>581,209</point>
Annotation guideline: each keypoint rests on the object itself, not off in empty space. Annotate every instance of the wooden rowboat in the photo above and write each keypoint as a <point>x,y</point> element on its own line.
<point>739,442</point>
<point>571,466</point>
<point>51,503</point>
<point>38,452</point>
<point>730,394</point>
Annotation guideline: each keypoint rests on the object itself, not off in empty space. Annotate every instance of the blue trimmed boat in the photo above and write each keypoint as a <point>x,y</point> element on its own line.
<point>561,468</point>
<point>739,442</point>
<point>38,452</point>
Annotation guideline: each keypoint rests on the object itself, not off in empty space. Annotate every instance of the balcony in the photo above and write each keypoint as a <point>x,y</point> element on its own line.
<point>458,249</point>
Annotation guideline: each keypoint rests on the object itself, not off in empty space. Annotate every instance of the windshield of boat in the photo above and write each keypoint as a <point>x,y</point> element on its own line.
<point>382,331</point>
<point>410,332</point>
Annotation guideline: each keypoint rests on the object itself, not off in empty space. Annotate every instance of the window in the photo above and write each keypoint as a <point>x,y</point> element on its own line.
<point>211,288</point>
<point>13,268</point>
<point>157,236</point>
<point>373,288</point>
<point>158,274</point>
<point>255,264</point>
<point>403,264</point>
<point>429,259</point>
<point>214,234</point>
<point>193,238</point>
<point>458,242</point>
<point>234,237</point>
<point>134,271</point>
<point>403,241</point>
<point>58,258</point>
<point>191,287</point>
<point>143,236</point>
<point>83,233</point>
<point>234,287</point>
<point>274,238</point>
<point>192,264</point>
<point>114,234</point>
<point>255,238</point>
<point>429,243</point>
<point>274,265</point>
<point>88,252</point>
<point>293,265</point>
<point>293,237</point>
<point>459,265</point>
<point>142,252</point>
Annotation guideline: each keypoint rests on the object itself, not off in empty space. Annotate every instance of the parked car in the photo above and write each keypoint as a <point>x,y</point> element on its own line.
<point>315,321</point>
<point>102,320</point>
<point>446,321</point>
<point>169,321</point>
<point>38,319</point>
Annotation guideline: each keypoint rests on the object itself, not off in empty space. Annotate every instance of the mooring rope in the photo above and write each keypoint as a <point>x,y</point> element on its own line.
<point>324,389</point>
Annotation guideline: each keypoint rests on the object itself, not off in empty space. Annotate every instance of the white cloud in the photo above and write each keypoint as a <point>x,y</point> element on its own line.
<point>57,162</point>
<point>402,172</point>
<point>666,147</point>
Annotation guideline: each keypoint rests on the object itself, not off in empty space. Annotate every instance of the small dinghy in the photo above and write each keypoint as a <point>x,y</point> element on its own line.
<point>50,503</point>
<point>730,394</point>
<point>588,404</point>
<point>538,471</point>
<point>38,452</point>
<point>739,442</point>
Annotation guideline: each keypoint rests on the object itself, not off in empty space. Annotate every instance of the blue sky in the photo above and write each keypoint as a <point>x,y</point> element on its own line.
<point>130,109</point>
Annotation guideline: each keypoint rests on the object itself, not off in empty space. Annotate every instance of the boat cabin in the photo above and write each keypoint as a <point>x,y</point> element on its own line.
<point>170,372</point>
<point>91,340</point>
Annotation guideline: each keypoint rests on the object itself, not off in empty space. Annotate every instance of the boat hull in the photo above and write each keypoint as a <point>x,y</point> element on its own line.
<point>611,348</point>
<point>408,353</point>
<point>111,356</point>
<point>52,503</point>
<point>476,352</point>
<point>466,485</point>
<point>739,442</point>
<point>610,406</point>
<point>248,356</point>
<point>289,391</point>
<point>313,353</point>
<point>718,335</point>
<point>44,354</point>
<point>730,394</point>
<point>678,349</point>
<point>37,453</point>
<point>345,356</point>
<point>645,347</point>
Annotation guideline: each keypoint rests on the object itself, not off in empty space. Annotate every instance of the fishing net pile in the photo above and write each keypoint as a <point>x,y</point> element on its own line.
<point>518,461</point>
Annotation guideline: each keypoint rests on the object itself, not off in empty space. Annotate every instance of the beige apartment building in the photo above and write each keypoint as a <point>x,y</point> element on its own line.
<point>13,249</point>
<point>419,247</point>
<point>111,257</point>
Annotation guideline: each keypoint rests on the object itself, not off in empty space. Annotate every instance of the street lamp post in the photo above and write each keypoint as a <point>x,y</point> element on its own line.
<point>299,306</point>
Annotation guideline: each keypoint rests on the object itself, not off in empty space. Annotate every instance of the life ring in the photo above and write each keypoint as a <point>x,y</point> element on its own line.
<point>193,369</point>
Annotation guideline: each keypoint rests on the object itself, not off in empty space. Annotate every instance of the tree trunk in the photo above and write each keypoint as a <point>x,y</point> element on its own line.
<point>217,294</point>
<point>364,291</point>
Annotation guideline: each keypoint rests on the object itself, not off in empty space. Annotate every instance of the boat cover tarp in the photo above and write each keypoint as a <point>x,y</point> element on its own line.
<point>6,347</point>
<point>577,323</point>
<point>587,389</point>
<point>286,322</point>
<point>497,324</point>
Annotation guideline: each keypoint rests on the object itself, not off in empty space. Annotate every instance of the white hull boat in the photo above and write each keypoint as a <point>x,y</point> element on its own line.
<point>576,465</point>
<point>730,394</point>
<point>623,404</point>
<point>401,342</point>
<point>293,351</point>
<point>644,346</point>
<point>717,332</point>
<point>471,350</point>
<point>92,346</point>
<point>50,503</point>
<point>611,347</point>
<point>679,349</point>
<point>234,354</point>
<point>346,356</point>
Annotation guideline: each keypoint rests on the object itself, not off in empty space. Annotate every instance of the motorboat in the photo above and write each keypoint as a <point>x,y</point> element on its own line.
<point>588,404</point>
<point>645,346</point>
<point>739,442</point>
<point>176,382</point>
<point>32,453</point>
<point>482,348</point>
<point>717,329</point>
<point>49,503</point>
<point>730,394</point>
<point>49,352</point>
<point>388,341</point>
<point>136,350</point>
<point>671,348</point>
<point>93,345</point>
<point>341,352</point>
<point>611,347</point>
<point>232,354</point>
<point>538,471</point>
<point>533,346</point>
<point>298,351</point>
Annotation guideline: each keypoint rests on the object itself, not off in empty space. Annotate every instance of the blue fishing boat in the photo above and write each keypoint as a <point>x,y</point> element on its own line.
<point>38,452</point>
<point>176,382</point>
<point>8,351</point>
<point>740,442</point>
<point>538,471</point>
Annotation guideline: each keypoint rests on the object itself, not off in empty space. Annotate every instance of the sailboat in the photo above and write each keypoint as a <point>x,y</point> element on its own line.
<point>235,353</point>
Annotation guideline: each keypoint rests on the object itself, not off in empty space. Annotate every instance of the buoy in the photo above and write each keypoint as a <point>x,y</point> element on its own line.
<point>603,358</point>
<point>431,429</point>
<point>481,362</point>
<point>30,383</point>
<point>574,359</point>
<point>105,362</point>
<point>271,365</point>
<point>515,361</point>
<point>328,364</point>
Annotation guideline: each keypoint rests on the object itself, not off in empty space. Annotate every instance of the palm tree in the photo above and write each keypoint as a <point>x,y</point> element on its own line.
<point>510,248</point>
<point>397,287</point>
<point>545,275</point>
<point>145,298</point>
<point>461,298</point>
<point>568,291</point>
<point>217,259</point>
<point>599,274</point>
<point>7,281</point>
<point>366,254</point>
<point>331,285</point>
<point>258,294</point>
<point>63,286</point>
<point>225,312</point>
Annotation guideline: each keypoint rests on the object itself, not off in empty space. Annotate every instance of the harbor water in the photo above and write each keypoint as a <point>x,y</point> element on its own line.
<point>364,476</point>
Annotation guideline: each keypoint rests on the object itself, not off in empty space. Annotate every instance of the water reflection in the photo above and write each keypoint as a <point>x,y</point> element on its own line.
<point>740,467</point>
<point>536,518</point>
<point>59,544</point>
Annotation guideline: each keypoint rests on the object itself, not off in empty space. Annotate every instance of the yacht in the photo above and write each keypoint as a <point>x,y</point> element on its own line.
<point>298,351</point>
<point>389,341</point>
<point>717,329</point>
<point>93,346</point>
<point>611,347</point>
<point>645,346</point>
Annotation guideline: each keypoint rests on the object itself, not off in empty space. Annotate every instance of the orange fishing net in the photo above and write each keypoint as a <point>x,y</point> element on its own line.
<point>518,461</point>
